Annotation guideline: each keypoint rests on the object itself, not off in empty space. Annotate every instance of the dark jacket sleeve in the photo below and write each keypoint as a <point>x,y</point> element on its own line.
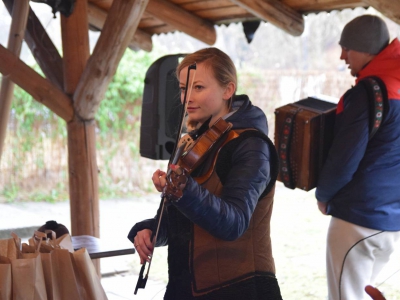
<point>349,144</point>
<point>228,217</point>
<point>162,236</point>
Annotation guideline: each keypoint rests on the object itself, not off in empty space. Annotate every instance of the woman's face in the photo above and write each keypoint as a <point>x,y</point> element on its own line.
<point>206,97</point>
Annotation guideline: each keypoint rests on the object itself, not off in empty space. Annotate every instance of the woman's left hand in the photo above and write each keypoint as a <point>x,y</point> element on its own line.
<point>176,182</point>
<point>159,180</point>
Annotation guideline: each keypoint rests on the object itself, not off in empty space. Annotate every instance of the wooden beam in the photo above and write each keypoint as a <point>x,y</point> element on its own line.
<point>183,20</point>
<point>16,35</point>
<point>141,39</point>
<point>41,89</point>
<point>42,48</point>
<point>276,13</point>
<point>122,21</point>
<point>389,8</point>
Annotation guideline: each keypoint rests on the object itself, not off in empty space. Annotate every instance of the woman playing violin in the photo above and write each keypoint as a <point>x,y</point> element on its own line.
<point>218,230</point>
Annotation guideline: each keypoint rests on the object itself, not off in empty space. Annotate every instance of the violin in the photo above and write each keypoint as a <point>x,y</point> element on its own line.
<point>189,155</point>
<point>213,139</point>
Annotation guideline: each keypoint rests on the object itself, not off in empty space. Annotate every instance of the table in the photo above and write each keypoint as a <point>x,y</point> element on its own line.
<point>99,249</point>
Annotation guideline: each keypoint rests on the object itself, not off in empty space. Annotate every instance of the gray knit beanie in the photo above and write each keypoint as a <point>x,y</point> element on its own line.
<point>366,33</point>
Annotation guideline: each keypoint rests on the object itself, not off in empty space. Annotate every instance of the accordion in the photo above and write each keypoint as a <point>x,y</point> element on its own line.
<point>303,136</point>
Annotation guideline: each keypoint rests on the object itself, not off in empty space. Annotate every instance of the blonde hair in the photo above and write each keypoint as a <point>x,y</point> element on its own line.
<point>220,64</point>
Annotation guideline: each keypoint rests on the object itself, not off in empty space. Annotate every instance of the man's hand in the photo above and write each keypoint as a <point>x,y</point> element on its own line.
<point>322,206</point>
<point>374,293</point>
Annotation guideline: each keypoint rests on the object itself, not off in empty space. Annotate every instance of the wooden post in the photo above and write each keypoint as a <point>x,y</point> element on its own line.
<point>17,30</point>
<point>82,164</point>
<point>82,182</point>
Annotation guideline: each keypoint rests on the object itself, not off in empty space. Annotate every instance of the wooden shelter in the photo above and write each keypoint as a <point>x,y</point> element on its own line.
<point>76,82</point>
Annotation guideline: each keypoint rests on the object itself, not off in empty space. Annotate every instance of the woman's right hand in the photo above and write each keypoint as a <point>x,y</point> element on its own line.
<point>143,245</point>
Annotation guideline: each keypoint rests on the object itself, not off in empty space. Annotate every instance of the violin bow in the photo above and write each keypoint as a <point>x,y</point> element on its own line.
<point>142,280</point>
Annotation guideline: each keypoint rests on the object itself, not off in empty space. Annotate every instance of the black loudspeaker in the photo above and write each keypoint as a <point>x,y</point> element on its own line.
<point>161,109</point>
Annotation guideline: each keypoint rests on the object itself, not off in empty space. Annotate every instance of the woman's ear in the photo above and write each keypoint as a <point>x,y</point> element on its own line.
<point>229,90</point>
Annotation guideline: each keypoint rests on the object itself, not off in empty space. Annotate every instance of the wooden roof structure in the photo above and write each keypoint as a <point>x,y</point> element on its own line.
<point>76,82</point>
<point>197,18</point>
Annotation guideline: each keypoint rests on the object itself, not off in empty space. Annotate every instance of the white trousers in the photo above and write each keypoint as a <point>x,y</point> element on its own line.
<point>354,257</point>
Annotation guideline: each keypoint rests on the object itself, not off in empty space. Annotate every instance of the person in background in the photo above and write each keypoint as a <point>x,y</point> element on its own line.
<point>218,230</point>
<point>58,228</point>
<point>359,185</point>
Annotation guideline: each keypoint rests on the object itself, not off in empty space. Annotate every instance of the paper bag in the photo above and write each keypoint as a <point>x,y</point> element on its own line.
<point>8,248</point>
<point>64,242</point>
<point>28,278</point>
<point>67,275</point>
<point>87,276</point>
<point>5,279</point>
<point>59,273</point>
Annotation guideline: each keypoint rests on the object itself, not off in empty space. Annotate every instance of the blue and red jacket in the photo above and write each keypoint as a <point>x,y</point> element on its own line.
<point>361,179</point>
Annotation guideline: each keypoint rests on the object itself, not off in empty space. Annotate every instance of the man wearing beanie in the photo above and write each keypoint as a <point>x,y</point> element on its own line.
<point>359,185</point>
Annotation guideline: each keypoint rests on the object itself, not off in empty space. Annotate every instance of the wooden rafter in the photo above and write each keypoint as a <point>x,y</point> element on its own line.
<point>38,87</point>
<point>124,15</point>
<point>42,48</point>
<point>389,8</point>
<point>104,4</point>
<point>276,13</point>
<point>306,6</point>
<point>141,39</point>
<point>183,20</point>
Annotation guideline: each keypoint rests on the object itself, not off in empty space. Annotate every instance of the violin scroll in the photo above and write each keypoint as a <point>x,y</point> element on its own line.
<point>176,182</point>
